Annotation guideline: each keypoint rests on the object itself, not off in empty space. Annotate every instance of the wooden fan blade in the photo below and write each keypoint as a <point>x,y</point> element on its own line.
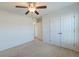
<point>36,12</point>
<point>27,12</point>
<point>41,7</point>
<point>21,7</point>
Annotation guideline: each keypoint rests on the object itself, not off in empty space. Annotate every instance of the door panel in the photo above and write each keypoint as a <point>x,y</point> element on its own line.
<point>46,33</point>
<point>67,28</point>
<point>55,30</point>
<point>77,31</point>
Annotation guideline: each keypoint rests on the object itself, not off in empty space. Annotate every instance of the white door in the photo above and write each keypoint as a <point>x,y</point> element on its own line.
<point>77,31</point>
<point>55,30</point>
<point>67,29</point>
<point>46,29</point>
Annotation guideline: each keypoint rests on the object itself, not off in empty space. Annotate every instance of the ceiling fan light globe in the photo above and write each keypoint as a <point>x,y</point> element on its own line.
<point>32,9</point>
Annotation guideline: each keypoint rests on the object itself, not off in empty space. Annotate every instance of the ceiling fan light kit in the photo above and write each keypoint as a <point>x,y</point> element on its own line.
<point>32,8</point>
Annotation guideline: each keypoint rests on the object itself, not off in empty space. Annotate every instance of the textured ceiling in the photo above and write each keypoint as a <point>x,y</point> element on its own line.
<point>51,6</point>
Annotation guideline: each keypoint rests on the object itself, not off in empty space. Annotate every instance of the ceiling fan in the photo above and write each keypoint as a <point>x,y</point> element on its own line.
<point>32,7</point>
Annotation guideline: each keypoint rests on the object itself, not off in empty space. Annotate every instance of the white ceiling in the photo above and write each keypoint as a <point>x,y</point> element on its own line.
<point>51,6</point>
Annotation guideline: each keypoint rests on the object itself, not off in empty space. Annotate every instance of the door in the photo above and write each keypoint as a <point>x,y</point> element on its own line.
<point>77,31</point>
<point>46,29</point>
<point>67,29</point>
<point>55,30</point>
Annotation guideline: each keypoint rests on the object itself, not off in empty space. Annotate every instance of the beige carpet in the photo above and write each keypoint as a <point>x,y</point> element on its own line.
<point>38,49</point>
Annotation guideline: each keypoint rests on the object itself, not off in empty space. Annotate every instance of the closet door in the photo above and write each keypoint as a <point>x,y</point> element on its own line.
<point>55,30</point>
<point>77,31</point>
<point>67,29</point>
<point>46,29</point>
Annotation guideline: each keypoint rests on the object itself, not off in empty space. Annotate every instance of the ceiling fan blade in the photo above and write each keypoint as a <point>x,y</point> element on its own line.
<point>21,7</point>
<point>41,7</point>
<point>27,12</point>
<point>36,12</point>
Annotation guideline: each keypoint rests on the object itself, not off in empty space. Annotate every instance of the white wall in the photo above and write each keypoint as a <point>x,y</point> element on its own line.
<point>15,30</point>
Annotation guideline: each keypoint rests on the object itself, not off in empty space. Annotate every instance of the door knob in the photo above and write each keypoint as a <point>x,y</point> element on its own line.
<point>59,33</point>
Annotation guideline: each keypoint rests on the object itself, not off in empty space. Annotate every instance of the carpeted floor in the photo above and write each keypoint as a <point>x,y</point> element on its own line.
<point>37,48</point>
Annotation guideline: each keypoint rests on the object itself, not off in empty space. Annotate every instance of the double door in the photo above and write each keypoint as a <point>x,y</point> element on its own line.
<point>62,31</point>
